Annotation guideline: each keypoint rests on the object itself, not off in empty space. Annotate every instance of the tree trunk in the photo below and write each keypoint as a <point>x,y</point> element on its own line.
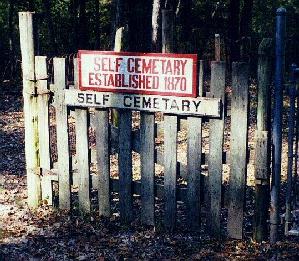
<point>97,24</point>
<point>48,16</point>
<point>234,9</point>
<point>156,26</point>
<point>245,29</point>
<point>83,27</point>
<point>119,17</point>
<point>185,14</point>
<point>140,27</point>
<point>74,38</point>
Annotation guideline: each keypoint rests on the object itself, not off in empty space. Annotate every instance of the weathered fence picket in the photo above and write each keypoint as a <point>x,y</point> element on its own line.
<point>263,124</point>
<point>147,160</point>
<point>238,143</point>
<point>82,150</point>
<point>62,135</point>
<point>103,160</point>
<point>170,133</point>
<point>43,124</point>
<point>216,148</point>
<point>194,161</point>
<point>30,109</point>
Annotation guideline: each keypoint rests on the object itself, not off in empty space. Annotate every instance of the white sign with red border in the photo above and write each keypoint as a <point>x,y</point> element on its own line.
<point>138,73</point>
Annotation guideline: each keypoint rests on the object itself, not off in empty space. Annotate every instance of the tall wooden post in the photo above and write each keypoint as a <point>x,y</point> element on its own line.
<point>239,125</point>
<point>262,153</point>
<point>216,148</point>
<point>170,133</point>
<point>30,109</point>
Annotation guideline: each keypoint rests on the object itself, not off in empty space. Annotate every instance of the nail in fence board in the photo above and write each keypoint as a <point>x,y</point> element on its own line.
<point>239,121</point>
<point>194,161</point>
<point>216,148</point>
<point>170,133</point>
<point>147,157</point>
<point>82,151</point>
<point>62,134</point>
<point>103,160</point>
<point>43,121</point>
<point>125,166</point>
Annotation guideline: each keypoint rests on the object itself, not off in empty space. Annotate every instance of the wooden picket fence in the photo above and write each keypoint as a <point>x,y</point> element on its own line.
<point>40,95</point>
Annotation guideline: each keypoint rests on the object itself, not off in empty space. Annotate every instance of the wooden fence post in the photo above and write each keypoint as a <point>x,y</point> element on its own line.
<point>30,109</point>
<point>43,124</point>
<point>170,133</point>
<point>263,124</point>
<point>123,118</point>
<point>239,125</point>
<point>194,161</point>
<point>82,151</point>
<point>62,135</point>
<point>216,148</point>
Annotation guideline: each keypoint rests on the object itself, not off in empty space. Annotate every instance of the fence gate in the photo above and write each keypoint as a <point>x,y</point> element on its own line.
<point>71,138</point>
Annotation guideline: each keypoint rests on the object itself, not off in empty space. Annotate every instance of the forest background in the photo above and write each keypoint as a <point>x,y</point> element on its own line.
<point>64,26</point>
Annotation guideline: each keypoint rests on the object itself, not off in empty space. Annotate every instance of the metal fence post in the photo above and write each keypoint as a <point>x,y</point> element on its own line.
<point>277,121</point>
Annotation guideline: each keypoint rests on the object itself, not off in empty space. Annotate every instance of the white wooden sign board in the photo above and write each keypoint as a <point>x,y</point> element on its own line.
<point>138,73</point>
<point>201,106</point>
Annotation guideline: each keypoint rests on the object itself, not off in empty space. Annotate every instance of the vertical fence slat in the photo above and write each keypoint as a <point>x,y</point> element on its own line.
<point>147,154</point>
<point>216,148</point>
<point>170,133</point>
<point>194,161</point>
<point>30,109</point>
<point>170,169</point>
<point>82,150</point>
<point>43,110</point>
<point>103,160</point>
<point>125,166</point>
<point>43,122</point>
<point>239,121</point>
<point>261,185</point>
<point>62,134</point>
<point>263,124</point>
<point>291,130</point>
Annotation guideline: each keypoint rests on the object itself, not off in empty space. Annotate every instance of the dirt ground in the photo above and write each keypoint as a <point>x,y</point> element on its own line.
<point>49,234</point>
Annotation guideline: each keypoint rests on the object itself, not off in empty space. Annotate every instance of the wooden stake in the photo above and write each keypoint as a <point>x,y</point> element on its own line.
<point>30,109</point>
